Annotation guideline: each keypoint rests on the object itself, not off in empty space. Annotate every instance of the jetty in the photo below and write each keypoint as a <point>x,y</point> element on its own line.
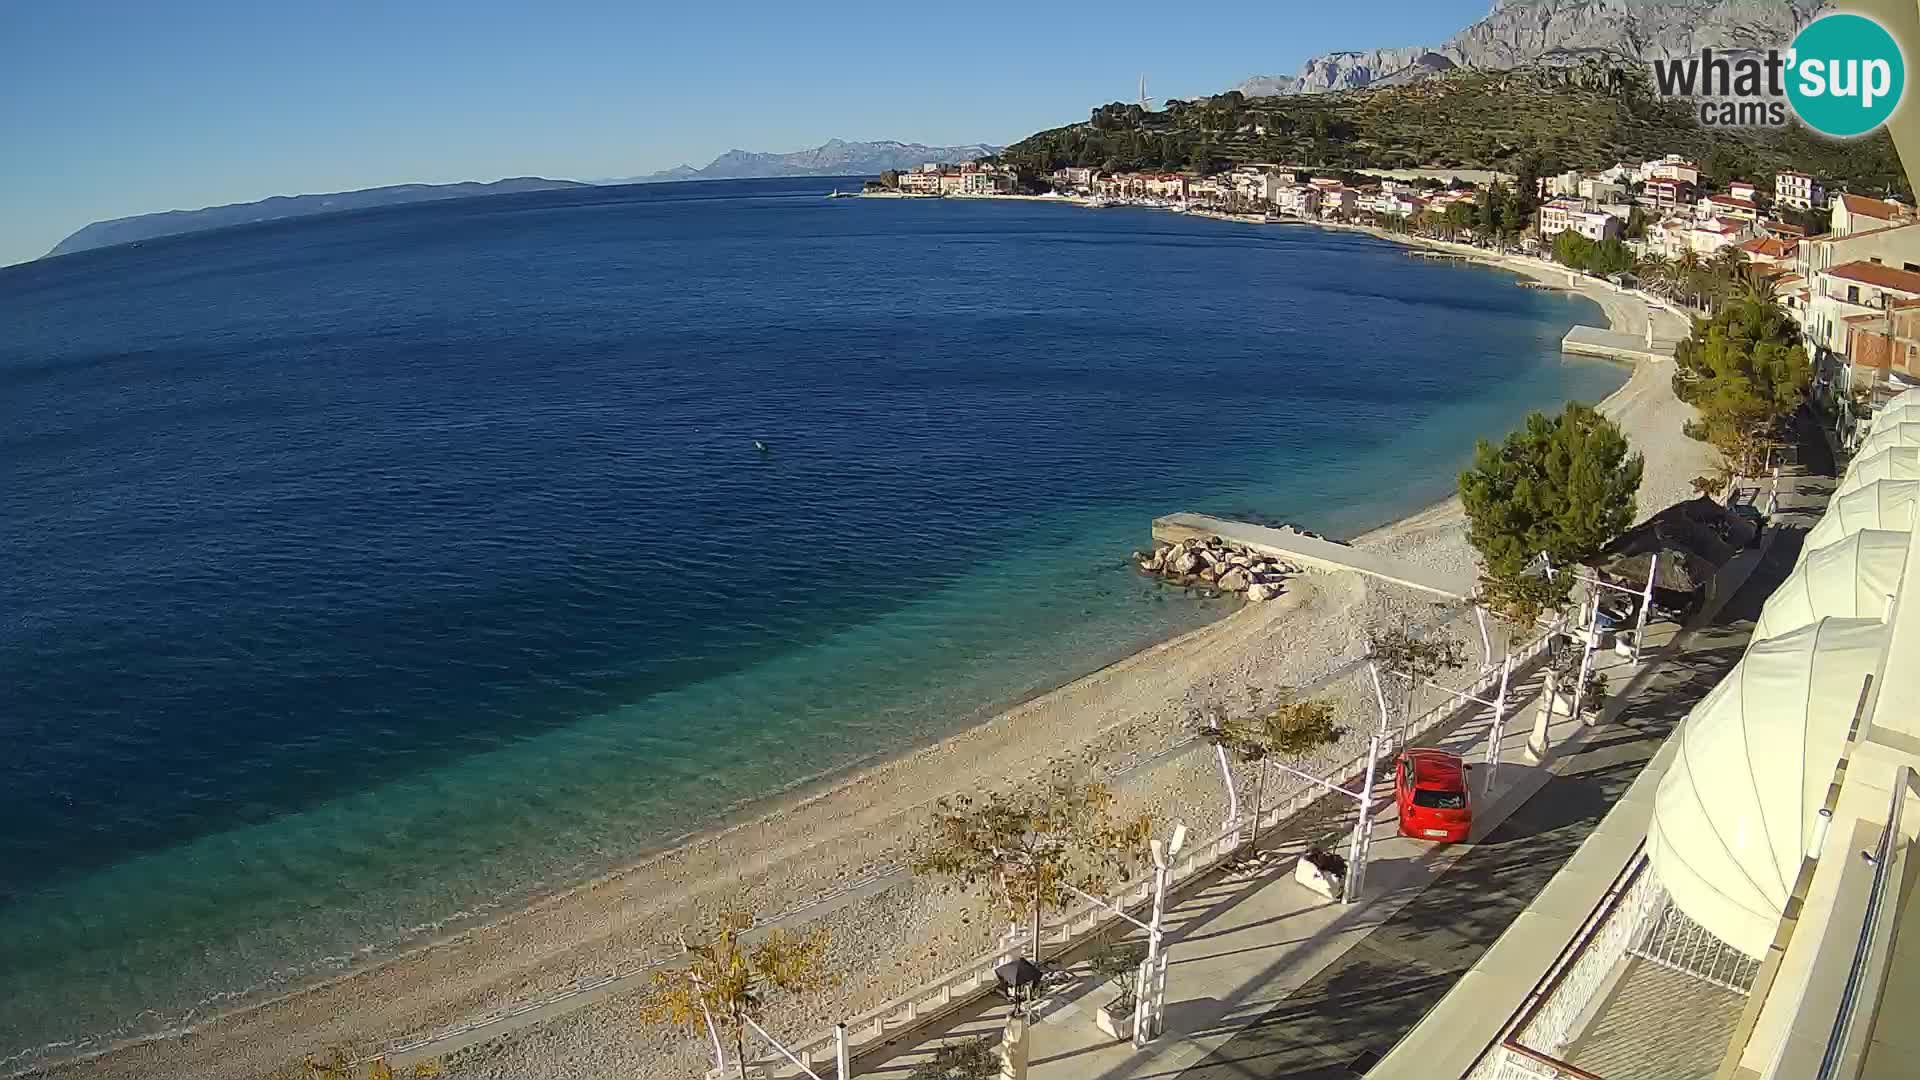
<point>1613,345</point>
<point>1295,547</point>
<point>1443,256</point>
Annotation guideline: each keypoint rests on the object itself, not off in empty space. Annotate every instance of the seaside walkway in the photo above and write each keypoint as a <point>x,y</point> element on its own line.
<point>1324,554</point>
<point>1268,979</point>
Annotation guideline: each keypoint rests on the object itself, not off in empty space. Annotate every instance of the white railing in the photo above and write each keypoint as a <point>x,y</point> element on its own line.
<point>1547,1021</point>
<point>961,984</point>
<point>1670,938</point>
<point>1083,922</point>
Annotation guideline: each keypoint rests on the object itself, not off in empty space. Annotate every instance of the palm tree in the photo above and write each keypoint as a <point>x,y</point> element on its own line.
<point>1753,287</point>
<point>1688,270</point>
<point>1658,274</point>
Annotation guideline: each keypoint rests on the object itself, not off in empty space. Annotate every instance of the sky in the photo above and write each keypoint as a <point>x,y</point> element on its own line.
<point>109,109</point>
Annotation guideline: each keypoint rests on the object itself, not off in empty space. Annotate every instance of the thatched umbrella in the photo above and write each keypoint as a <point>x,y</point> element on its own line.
<point>1692,539</point>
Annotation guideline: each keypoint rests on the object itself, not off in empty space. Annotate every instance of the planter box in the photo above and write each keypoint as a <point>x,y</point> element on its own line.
<point>1115,1018</point>
<point>1327,885</point>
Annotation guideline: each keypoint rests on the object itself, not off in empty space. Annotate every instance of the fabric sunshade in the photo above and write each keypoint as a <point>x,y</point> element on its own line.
<point>1738,808</point>
<point>1893,463</point>
<point>1906,412</point>
<point>1883,504</point>
<point>1891,435</point>
<point>1847,580</point>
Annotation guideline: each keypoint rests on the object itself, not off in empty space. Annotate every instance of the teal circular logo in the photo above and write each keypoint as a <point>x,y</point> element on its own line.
<point>1845,75</point>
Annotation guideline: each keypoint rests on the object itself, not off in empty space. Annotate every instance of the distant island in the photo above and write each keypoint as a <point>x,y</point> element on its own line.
<point>128,230</point>
<point>835,157</point>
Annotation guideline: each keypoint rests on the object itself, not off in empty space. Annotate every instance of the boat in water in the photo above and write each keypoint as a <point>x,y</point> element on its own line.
<point>836,193</point>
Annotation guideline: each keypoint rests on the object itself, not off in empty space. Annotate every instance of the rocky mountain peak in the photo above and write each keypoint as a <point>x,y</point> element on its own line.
<point>1518,32</point>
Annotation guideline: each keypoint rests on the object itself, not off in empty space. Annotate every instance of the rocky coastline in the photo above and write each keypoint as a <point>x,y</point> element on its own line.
<point>1214,564</point>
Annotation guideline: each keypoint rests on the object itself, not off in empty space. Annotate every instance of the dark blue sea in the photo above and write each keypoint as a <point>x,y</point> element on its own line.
<point>366,572</point>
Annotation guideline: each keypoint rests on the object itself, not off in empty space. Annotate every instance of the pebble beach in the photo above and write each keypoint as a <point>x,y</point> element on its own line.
<point>1128,725</point>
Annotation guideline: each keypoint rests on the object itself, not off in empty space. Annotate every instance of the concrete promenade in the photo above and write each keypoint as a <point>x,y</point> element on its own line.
<point>1323,554</point>
<point>1241,943</point>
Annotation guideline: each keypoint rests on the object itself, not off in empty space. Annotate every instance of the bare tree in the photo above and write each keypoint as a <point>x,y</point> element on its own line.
<point>725,984</point>
<point>1290,729</point>
<point>1415,660</point>
<point>1026,847</point>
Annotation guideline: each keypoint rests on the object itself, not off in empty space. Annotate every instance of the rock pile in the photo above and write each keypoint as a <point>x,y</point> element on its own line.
<point>1215,563</point>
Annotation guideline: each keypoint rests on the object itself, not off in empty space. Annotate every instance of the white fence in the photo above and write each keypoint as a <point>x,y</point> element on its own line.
<point>1081,923</point>
<point>963,984</point>
<point>1635,918</point>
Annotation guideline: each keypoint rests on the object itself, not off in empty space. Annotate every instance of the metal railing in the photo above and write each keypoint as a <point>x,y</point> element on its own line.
<point>1673,940</point>
<point>1081,923</point>
<point>1546,1022</point>
<point>1859,1001</point>
<point>962,983</point>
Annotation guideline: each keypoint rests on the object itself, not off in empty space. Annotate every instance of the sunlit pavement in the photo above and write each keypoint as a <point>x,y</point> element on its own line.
<point>1267,979</point>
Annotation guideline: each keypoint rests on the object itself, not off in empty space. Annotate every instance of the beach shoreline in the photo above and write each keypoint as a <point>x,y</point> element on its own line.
<point>815,837</point>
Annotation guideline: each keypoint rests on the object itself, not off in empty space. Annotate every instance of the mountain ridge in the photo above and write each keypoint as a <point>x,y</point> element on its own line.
<point>1518,32</point>
<point>835,157</point>
<point>137,227</point>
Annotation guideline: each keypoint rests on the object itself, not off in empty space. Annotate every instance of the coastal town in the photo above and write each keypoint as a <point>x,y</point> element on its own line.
<point>1844,265</point>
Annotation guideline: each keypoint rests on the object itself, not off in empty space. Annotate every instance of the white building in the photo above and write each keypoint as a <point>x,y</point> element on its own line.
<point>1572,215</point>
<point>1857,213</point>
<point>1798,190</point>
<point>1598,190</point>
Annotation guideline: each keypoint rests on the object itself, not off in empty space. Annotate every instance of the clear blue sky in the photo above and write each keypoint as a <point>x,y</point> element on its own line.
<point>111,109</point>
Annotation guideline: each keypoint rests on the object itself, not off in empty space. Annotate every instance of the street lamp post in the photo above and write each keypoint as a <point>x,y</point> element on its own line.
<point>1150,978</point>
<point>1361,838</point>
<point>1150,994</point>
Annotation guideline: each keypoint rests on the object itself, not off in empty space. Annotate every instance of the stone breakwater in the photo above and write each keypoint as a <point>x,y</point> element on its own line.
<point>1214,563</point>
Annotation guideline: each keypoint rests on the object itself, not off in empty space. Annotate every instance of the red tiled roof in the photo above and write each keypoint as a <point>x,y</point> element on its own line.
<point>1729,200</point>
<point>1873,208</point>
<point>1771,247</point>
<point>1883,277</point>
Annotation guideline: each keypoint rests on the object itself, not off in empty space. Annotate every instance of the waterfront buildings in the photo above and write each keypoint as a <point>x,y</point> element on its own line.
<point>1574,215</point>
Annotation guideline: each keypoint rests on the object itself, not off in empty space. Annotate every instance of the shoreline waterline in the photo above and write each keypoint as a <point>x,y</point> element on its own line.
<point>764,813</point>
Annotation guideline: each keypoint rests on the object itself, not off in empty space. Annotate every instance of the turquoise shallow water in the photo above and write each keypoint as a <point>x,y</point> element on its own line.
<point>382,569</point>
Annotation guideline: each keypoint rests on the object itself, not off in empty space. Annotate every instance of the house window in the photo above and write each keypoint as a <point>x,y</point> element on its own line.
<point>1853,294</point>
<point>1876,260</point>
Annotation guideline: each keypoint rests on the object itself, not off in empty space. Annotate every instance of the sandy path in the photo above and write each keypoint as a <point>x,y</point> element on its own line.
<point>1097,726</point>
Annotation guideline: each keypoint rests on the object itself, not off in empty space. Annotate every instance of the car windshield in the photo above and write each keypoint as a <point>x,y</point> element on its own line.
<point>1440,800</point>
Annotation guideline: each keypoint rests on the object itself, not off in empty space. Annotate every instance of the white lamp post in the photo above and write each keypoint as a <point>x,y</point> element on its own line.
<point>1150,993</point>
<point>1362,837</point>
<point>1150,978</point>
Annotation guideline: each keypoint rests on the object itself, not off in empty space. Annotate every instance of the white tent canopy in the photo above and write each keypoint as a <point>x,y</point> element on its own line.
<point>1847,580</point>
<point>1738,808</point>
<point>1883,504</point>
<point>1906,411</point>
<point>1893,463</point>
<point>1891,435</point>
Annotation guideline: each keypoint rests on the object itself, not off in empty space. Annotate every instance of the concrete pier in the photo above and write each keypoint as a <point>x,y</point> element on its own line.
<point>1593,341</point>
<point>1323,554</point>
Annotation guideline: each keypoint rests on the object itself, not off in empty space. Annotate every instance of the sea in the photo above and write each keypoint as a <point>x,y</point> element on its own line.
<point>367,573</point>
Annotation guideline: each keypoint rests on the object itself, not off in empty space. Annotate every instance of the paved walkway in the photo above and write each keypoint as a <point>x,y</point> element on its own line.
<point>1269,980</point>
<point>1241,942</point>
<point>1353,1011</point>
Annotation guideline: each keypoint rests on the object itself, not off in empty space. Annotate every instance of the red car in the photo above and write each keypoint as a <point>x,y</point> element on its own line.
<point>1430,787</point>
